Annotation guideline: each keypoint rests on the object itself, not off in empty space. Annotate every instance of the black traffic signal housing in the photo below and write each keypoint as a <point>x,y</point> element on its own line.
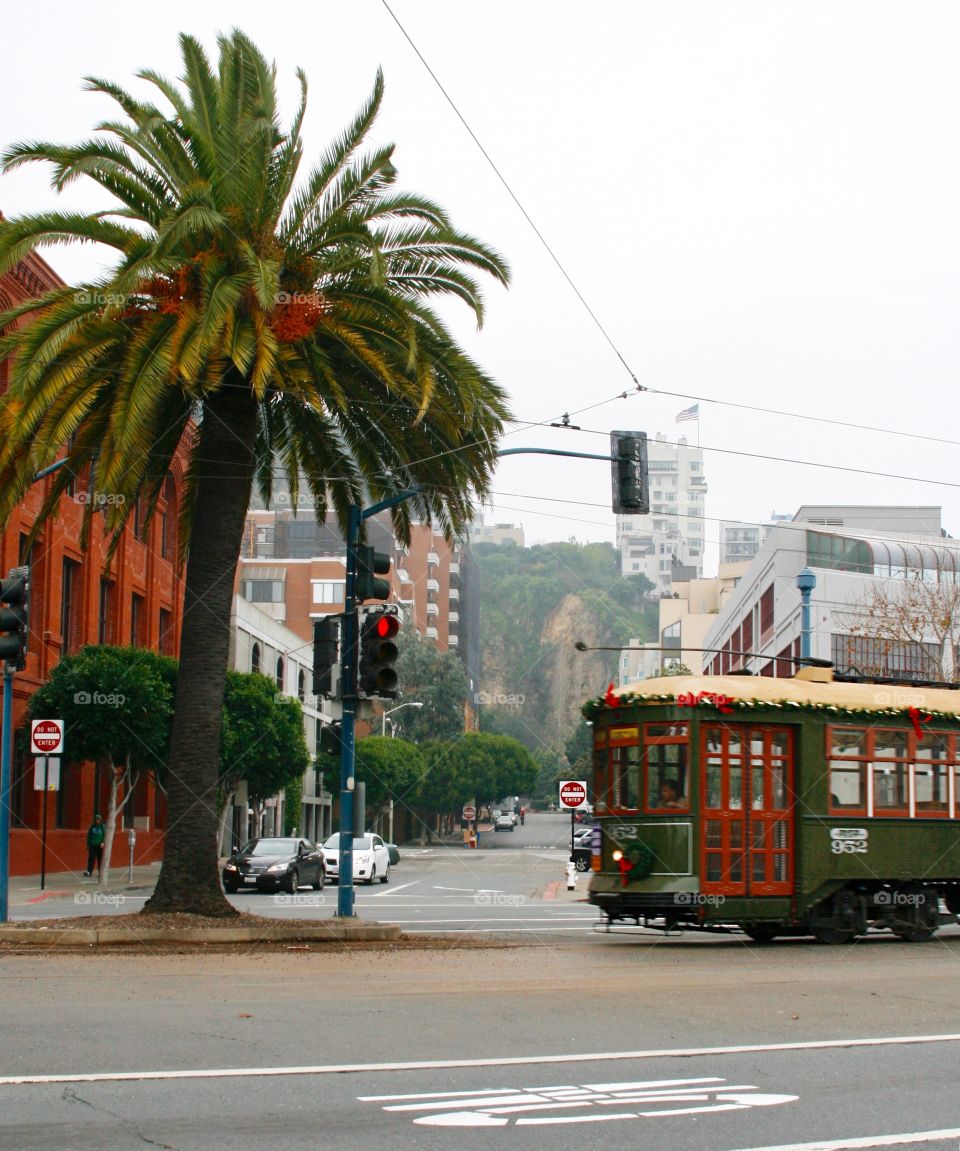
<point>15,617</point>
<point>326,638</point>
<point>331,735</point>
<point>629,473</point>
<point>370,565</point>
<point>376,676</point>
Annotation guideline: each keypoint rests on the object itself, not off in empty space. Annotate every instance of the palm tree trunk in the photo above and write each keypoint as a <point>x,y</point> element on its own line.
<point>224,460</point>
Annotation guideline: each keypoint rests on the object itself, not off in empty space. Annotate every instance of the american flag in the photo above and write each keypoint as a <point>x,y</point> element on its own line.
<point>689,414</point>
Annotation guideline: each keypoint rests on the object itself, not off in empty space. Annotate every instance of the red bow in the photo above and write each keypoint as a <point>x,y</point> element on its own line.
<point>916,719</point>
<point>610,699</point>
<point>625,867</point>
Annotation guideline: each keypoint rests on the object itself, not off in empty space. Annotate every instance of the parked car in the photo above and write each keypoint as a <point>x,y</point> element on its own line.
<point>504,822</point>
<point>371,859</point>
<point>272,864</point>
<point>394,852</point>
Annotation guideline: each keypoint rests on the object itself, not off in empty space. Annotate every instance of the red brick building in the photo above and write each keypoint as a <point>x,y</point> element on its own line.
<point>77,599</point>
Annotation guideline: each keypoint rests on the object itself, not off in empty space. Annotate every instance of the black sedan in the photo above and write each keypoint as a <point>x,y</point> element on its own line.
<point>274,865</point>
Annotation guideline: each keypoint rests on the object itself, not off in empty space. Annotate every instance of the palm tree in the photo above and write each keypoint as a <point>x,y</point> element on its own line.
<point>266,322</point>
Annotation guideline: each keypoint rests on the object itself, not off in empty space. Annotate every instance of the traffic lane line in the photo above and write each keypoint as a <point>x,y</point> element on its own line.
<point>498,1061</point>
<point>902,1140</point>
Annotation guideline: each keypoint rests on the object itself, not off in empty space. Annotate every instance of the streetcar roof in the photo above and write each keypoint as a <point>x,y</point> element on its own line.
<point>819,690</point>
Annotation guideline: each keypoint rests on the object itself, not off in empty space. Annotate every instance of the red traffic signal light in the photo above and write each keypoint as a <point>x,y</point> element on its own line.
<point>378,654</point>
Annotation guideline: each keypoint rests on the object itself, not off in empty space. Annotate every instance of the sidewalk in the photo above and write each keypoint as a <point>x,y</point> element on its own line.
<point>24,890</point>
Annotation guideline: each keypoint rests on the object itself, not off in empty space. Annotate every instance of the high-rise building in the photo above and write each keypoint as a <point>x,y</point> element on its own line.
<point>672,534</point>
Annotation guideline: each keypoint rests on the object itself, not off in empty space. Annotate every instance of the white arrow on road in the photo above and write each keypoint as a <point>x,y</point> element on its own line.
<point>658,1099</point>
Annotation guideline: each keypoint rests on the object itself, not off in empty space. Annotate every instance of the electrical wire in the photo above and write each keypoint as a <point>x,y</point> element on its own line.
<point>513,196</point>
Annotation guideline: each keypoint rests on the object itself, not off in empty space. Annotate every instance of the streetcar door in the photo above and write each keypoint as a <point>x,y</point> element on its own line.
<point>746,812</point>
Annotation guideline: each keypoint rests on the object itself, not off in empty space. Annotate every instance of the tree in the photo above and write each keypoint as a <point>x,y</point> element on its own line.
<point>671,667</point>
<point>438,681</point>
<point>488,767</point>
<point>262,323</point>
<point>262,739</point>
<point>390,769</point>
<point>911,624</point>
<point>116,704</point>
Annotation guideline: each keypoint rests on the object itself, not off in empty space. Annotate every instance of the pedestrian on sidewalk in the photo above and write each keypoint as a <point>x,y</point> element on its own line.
<point>95,836</point>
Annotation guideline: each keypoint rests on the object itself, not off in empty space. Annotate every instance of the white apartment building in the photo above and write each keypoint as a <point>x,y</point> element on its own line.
<point>762,615</point>
<point>672,535</point>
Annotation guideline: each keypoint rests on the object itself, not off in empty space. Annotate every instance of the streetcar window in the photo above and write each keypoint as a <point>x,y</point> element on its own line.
<point>601,778</point>
<point>890,773</point>
<point>930,779</point>
<point>846,741</point>
<point>847,791</point>
<point>667,777</point>
<point>625,769</point>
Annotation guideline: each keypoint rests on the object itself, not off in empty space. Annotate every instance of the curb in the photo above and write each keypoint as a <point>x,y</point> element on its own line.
<point>84,937</point>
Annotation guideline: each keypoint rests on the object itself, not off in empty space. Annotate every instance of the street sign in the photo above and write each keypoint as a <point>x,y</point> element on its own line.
<point>46,774</point>
<point>46,737</point>
<point>469,812</point>
<point>573,793</point>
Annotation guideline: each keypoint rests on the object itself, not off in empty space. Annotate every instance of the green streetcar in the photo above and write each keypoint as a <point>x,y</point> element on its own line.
<point>779,807</point>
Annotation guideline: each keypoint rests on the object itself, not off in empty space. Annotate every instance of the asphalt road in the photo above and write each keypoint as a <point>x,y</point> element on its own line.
<point>557,1044</point>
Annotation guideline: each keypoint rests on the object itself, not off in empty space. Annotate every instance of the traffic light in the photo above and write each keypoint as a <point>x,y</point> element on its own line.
<point>628,467</point>
<point>371,564</point>
<point>378,653</point>
<point>326,635</point>
<point>15,617</point>
<point>330,739</point>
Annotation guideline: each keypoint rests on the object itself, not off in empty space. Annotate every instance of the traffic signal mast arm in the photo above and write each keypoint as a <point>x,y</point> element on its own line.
<point>364,565</point>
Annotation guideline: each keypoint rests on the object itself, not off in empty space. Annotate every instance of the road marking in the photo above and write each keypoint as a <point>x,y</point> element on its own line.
<point>394,890</point>
<point>500,1061</point>
<point>658,1099</point>
<point>469,890</point>
<point>550,891</point>
<point>867,1141</point>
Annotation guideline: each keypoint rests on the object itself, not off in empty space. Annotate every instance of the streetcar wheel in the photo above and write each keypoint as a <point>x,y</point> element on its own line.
<point>760,933</point>
<point>834,935</point>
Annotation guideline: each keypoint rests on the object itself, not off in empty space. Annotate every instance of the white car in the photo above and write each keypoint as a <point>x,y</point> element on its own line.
<point>371,859</point>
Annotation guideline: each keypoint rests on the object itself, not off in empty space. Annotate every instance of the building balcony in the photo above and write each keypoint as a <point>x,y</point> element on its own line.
<point>432,633</point>
<point>433,585</point>
<point>433,559</point>
<point>453,640</point>
<point>454,568</point>
<point>433,609</point>
<point>453,617</point>
<point>454,595</point>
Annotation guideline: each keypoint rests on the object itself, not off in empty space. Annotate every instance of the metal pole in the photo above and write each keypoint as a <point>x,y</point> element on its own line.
<point>43,835</point>
<point>806,582</point>
<point>573,828</point>
<point>348,679</point>
<point>5,757</point>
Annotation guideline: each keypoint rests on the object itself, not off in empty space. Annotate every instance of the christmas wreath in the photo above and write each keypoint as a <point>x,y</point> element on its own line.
<point>636,860</point>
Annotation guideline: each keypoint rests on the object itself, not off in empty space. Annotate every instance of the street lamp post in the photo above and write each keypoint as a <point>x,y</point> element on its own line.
<point>383,731</point>
<point>383,728</point>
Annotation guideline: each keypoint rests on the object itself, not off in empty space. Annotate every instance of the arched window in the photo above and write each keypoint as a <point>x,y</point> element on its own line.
<point>301,686</point>
<point>279,673</point>
<point>255,658</point>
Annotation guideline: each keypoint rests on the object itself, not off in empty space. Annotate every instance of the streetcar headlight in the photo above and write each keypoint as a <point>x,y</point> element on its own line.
<point>617,856</point>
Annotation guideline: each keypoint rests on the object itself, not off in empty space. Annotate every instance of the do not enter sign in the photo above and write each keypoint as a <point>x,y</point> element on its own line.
<point>573,793</point>
<point>46,737</point>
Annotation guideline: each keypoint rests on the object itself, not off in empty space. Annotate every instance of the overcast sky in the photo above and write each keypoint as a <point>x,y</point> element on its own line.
<point>758,201</point>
